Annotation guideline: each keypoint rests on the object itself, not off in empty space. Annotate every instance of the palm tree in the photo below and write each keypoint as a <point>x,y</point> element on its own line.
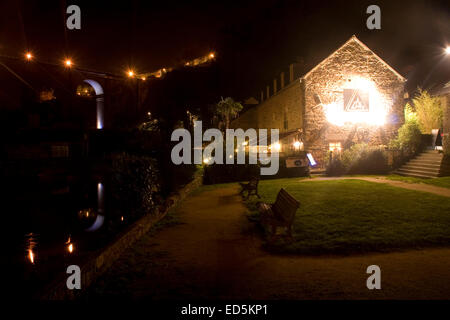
<point>227,109</point>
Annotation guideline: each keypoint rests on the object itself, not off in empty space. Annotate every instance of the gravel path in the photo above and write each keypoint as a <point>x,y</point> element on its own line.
<point>215,252</point>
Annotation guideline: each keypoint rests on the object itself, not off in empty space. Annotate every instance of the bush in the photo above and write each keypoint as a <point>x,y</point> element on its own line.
<point>359,159</point>
<point>335,168</point>
<point>409,138</point>
<point>429,111</point>
<point>134,185</point>
<point>223,173</point>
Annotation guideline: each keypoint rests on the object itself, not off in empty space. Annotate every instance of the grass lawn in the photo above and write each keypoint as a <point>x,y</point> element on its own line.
<point>355,216</point>
<point>439,182</point>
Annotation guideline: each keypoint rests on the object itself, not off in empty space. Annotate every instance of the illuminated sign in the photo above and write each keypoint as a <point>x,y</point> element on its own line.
<point>356,100</point>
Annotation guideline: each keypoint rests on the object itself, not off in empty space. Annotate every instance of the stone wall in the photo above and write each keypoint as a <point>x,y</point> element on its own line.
<point>281,111</point>
<point>324,87</point>
<point>445,101</point>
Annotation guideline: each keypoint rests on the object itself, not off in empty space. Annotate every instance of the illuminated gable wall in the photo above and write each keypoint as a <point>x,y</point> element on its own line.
<point>351,97</point>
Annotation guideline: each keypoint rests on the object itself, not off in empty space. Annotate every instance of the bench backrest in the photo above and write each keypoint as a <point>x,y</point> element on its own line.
<point>285,206</point>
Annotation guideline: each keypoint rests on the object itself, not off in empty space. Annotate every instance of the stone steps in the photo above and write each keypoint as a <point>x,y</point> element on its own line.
<point>428,164</point>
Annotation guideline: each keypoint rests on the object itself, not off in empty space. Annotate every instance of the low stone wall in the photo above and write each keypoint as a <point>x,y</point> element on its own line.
<point>93,268</point>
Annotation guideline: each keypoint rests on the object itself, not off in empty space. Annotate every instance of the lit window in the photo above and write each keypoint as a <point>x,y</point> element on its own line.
<point>335,147</point>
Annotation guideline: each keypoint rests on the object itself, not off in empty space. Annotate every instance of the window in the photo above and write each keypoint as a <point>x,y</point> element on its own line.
<point>335,147</point>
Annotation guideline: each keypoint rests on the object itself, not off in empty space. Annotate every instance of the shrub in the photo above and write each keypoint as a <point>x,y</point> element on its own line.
<point>365,159</point>
<point>409,138</point>
<point>335,168</point>
<point>134,185</point>
<point>223,173</point>
<point>429,111</point>
<point>359,159</point>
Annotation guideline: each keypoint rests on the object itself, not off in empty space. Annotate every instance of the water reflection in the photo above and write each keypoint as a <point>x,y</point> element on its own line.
<point>30,244</point>
<point>69,245</point>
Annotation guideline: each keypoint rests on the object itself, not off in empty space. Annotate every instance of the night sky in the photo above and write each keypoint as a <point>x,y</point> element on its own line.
<point>254,40</point>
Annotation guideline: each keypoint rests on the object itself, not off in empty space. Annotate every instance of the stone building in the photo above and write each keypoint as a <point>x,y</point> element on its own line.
<point>352,96</point>
<point>443,92</point>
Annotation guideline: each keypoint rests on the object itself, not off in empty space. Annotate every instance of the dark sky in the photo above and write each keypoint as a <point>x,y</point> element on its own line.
<point>255,40</point>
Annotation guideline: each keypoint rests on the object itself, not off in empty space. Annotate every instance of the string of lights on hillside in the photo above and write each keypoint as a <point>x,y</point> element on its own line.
<point>67,62</point>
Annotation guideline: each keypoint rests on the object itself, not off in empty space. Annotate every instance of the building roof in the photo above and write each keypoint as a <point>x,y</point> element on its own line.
<point>359,42</point>
<point>441,89</point>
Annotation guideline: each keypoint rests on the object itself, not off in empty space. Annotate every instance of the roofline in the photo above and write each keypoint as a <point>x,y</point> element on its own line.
<point>354,38</point>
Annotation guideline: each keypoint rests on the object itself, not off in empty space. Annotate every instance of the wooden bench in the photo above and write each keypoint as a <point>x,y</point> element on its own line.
<point>281,213</point>
<point>251,186</point>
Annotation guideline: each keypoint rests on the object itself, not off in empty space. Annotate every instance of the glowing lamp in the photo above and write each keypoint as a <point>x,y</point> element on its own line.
<point>68,63</point>
<point>211,55</point>
<point>130,73</point>
<point>447,50</point>
<point>276,147</point>
<point>70,247</point>
<point>297,144</point>
<point>28,56</point>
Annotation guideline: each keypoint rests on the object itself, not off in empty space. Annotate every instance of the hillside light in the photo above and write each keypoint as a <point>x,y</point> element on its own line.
<point>211,55</point>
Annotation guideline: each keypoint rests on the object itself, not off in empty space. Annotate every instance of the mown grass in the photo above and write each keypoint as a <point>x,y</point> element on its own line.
<point>355,216</point>
<point>443,182</point>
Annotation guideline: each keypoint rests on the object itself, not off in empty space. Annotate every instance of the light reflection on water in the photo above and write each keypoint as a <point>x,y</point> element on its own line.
<point>91,218</point>
<point>31,242</point>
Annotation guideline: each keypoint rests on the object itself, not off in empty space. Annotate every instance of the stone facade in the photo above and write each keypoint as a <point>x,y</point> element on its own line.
<point>352,96</point>
<point>282,111</point>
<point>445,102</point>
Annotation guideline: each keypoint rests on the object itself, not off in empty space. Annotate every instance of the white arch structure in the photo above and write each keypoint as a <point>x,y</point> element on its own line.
<point>100,101</point>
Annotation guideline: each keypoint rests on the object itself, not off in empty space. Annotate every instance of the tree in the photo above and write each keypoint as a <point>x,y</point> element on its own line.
<point>227,109</point>
<point>429,111</point>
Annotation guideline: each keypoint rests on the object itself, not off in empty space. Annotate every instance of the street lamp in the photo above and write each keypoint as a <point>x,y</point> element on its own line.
<point>28,56</point>
<point>68,63</point>
<point>447,50</point>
